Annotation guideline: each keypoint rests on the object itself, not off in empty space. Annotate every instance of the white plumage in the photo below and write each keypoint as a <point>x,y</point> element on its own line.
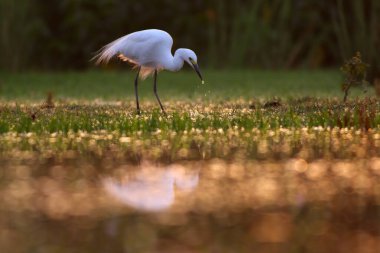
<point>150,49</point>
<point>150,52</point>
<point>143,48</point>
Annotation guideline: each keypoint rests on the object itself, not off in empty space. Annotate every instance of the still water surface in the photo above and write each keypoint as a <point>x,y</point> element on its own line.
<point>75,203</point>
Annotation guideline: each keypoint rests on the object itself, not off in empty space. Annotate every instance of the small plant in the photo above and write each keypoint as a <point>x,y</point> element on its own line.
<point>49,103</point>
<point>355,74</point>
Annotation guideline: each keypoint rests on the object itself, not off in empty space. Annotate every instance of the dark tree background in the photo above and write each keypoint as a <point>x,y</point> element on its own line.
<point>65,34</point>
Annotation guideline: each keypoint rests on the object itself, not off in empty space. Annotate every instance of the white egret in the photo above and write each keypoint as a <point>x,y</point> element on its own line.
<point>149,51</point>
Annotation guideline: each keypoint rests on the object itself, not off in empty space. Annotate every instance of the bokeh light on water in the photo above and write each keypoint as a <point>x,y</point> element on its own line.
<point>112,193</point>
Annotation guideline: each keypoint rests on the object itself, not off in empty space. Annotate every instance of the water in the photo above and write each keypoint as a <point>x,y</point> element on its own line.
<point>76,202</point>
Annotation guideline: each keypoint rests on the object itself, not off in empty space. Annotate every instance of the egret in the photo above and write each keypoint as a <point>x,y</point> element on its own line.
<point>149,51</point>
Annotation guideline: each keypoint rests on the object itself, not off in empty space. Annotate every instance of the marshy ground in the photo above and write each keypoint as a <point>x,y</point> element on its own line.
<point>274,163</point>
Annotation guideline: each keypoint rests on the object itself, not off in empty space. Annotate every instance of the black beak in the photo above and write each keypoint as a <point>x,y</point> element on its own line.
<point>196,68</point>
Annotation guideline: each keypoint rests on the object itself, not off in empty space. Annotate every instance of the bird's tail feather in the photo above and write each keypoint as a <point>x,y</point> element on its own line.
<point>105,54</point>
<point>110,50</point>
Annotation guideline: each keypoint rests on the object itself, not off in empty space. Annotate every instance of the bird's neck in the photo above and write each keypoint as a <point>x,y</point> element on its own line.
<point>176,62</point>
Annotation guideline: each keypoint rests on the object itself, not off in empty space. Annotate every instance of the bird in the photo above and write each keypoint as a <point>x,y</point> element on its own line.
<point>149,51</point>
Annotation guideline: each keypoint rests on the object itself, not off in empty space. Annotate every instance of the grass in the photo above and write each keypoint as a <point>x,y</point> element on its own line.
<point>184,85</point>
<point>191,130</point>
<point>243,101</point>
<point>185,116</point>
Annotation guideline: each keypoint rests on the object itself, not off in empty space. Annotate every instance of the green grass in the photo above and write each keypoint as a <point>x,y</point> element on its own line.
<point>211,129</point>
<point>244,101</point>
<point>185,116</point>
<point>184,85</point>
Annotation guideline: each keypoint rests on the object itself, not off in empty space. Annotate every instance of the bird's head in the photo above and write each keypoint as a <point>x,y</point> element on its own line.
<point>190,57</point>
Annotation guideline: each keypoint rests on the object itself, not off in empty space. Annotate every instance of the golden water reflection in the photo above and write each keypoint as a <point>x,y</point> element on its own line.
<point>216,205</point>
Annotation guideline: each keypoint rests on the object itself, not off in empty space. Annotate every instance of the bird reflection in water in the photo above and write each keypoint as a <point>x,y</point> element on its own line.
<point>152,189</point>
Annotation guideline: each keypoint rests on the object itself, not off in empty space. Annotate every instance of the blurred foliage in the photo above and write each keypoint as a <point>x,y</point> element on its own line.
<point>19,29</point>
<point>64,34</point>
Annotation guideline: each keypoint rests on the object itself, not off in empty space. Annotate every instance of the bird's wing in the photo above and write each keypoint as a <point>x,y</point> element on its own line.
<point>138,47</point>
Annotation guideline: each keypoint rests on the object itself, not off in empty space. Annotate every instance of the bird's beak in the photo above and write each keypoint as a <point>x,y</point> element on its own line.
<point>196,68</point>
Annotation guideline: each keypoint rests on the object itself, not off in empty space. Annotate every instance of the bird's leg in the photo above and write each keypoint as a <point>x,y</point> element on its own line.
<point>136,93</point>
<point>155,91</point>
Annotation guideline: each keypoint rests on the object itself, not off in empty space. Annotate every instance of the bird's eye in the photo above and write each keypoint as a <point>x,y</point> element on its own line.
<point>190,58</point>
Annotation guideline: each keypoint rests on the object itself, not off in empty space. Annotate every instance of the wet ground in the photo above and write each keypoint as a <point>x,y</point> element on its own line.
<point>287,196</point>
<point>300,176</point>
